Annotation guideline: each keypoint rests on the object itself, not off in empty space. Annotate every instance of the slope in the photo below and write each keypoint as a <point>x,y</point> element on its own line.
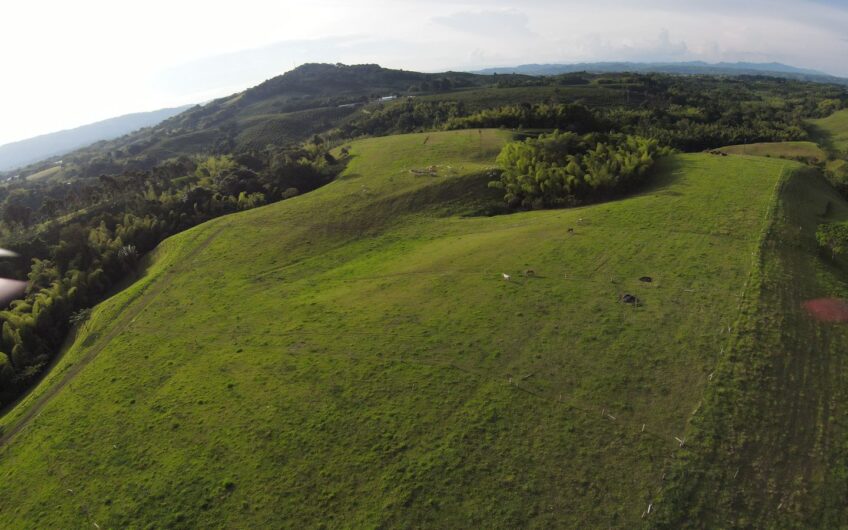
<point>833,132</point>
<point>769,447</point>
<point>288,108</point>
<point>802,151</point>
<point>354,357</point>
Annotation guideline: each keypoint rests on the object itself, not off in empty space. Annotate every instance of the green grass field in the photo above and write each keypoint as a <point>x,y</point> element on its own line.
<point>834,131</point>
<point>789,150</point>
<point>45,174</point>
<point>768,446</point>
<point>837,166</point>
<point>353,357</point>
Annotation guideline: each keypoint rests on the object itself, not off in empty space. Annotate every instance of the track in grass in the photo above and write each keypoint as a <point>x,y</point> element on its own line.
<point>768,450</point>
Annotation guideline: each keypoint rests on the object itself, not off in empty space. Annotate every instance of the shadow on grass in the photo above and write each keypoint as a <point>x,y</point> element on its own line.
<point>824,139</point>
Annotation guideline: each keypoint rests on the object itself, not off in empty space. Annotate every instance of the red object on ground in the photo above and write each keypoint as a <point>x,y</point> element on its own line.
<point>828,309</point>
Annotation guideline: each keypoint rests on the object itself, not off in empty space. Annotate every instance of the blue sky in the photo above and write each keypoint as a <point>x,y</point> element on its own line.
<point>70,63</point>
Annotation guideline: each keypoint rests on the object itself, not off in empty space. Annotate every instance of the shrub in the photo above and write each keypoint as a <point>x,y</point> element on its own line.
<point>833,236</point>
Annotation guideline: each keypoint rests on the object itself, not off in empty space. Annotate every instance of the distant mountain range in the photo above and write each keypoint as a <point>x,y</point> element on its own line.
<point>685,68</point>
<point>24,152</point>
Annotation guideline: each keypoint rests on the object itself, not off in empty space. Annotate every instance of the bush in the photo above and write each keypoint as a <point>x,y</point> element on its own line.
<point>833,236</point>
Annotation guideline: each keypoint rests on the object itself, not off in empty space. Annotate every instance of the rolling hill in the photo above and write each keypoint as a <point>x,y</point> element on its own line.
<point>834,132</point>
<point>370,366</point>
<point>284,110</point>
<point>32,150</point>
<point>288,108</point>
<point>346,101</point>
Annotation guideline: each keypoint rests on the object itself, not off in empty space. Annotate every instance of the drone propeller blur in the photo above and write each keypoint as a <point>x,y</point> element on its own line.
<point>10,289</point>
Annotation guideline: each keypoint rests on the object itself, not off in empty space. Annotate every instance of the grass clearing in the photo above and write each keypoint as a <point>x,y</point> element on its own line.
<point>44,174</point>
<point>833,131</point>
<point>353,356</point>
<point>789,150</point>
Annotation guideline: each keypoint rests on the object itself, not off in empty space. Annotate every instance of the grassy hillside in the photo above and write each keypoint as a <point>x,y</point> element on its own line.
<point>768,446</point>
<point>832,134</point>
<point>790,150</point>
<point>354,357</point>
<point>45,174</point>
<point>834,130</point>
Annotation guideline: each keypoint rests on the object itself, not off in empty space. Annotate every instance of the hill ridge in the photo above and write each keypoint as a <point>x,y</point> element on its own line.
<point>392,324</point>
<point>20,153</point>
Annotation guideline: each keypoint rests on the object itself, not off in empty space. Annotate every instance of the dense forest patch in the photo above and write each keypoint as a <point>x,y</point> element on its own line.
<point>565,169</point>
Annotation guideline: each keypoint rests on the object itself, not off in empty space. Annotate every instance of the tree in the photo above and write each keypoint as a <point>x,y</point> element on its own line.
<point>7,374</point>
<point>128,255</point>
<point>833,236</point>
<point>17,214</point>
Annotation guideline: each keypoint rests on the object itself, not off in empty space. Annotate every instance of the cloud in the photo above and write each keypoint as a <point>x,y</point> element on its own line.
<point>599,47</point>
<point>112,64</point>
<point>508,23</point>
<point>230,72</point>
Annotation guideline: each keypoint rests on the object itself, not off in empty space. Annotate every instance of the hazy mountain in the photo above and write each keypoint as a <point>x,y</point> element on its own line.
<point>689,68</point>
<point>285,109</point>
<point>32,150</point>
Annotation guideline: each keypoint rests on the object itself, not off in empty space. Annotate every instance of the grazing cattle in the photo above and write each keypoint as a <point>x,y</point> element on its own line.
<point>529,272</point>
<point>506,276</point>
<point>571,231</point>
<point>628,299</point>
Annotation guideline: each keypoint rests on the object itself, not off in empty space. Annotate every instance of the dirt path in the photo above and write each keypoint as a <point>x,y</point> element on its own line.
<point>129,314</point>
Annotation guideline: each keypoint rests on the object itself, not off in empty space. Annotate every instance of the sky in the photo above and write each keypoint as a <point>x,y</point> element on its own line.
<point>65,64</point>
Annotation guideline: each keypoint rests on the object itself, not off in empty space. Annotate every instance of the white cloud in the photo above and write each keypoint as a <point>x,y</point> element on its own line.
<point>503,24</point>
<point>69,63</point>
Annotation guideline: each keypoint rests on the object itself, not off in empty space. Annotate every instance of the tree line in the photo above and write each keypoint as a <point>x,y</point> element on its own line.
<point>690,113</point>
